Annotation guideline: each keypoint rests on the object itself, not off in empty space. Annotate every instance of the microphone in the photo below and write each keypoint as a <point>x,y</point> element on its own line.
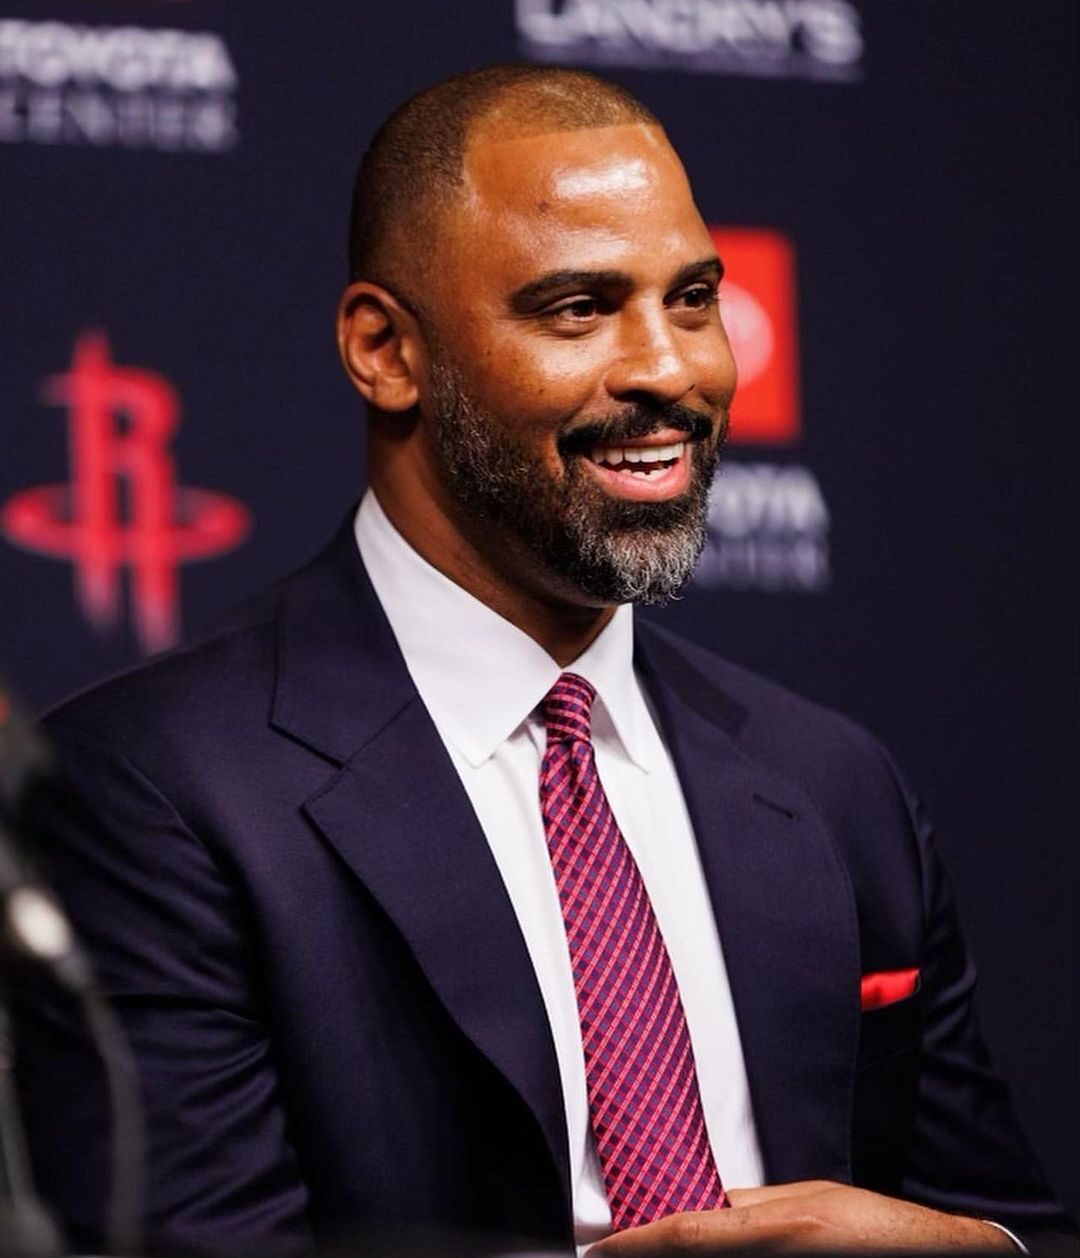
<point>34,924</point>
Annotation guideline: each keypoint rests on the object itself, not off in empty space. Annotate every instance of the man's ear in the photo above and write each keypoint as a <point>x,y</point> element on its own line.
<point>380,346</point>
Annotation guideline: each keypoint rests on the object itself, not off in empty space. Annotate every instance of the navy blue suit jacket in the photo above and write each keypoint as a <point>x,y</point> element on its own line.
<point>291,902</point>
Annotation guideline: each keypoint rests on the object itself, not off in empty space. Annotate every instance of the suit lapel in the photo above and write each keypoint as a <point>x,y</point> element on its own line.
<point>397,814</point>
<point>785,913</point>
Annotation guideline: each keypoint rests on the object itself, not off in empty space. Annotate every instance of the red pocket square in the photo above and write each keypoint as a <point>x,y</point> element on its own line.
<point>886,988</point>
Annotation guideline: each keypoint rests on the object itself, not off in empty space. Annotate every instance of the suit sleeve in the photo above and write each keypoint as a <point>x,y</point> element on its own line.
<point>967,1153</point>
<point>175,945</point>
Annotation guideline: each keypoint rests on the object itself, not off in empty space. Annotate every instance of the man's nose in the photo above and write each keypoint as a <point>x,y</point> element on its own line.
<point>650,361</point>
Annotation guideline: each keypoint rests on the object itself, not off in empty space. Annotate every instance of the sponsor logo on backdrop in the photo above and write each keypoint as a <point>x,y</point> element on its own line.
<point>768,520</point>
<point>757,304</point>
<point>116,87</point>
<point>811,39</point>
<point>123,509</point>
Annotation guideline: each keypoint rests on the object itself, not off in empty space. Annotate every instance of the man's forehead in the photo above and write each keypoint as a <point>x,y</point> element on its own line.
<point>549,170</point>
<point>605,199</point>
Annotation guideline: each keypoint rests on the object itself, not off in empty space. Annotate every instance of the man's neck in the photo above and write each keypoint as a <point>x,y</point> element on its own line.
<point>563,628</point>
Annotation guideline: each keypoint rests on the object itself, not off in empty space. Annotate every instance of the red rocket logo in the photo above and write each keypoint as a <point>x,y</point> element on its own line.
<point>123,508</point>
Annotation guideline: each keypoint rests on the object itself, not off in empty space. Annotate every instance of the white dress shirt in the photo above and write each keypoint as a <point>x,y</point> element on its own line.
<point>481,679</point>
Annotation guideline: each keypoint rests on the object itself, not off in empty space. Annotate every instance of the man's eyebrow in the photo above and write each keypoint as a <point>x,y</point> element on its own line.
<point>525,299</point>
<point>528,296</point>
<point>704,269</point>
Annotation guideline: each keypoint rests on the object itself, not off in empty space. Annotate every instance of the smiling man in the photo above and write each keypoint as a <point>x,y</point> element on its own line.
<point>433,888</point>
<point>558,355</point>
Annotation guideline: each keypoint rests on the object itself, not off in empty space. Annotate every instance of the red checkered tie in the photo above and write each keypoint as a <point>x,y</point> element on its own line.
<point>639,1065</point>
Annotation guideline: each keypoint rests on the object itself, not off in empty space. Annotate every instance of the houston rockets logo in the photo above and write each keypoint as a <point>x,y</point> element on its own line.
<point>757,304</point>
<point>123,508</point>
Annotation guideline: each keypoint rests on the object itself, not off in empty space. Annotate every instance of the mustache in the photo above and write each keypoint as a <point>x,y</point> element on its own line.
<point>634,422</point>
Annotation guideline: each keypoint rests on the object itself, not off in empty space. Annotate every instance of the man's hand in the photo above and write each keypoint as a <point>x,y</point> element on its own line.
<point>815,1214</point>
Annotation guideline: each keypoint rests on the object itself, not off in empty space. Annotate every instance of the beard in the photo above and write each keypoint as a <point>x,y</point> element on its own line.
<point>611,549</point>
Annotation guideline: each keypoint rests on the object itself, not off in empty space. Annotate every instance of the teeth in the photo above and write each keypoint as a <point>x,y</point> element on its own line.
<point>655,454</point>
<point>638,454</point>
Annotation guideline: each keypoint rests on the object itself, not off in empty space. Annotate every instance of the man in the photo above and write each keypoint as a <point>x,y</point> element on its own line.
<point>433,889</point>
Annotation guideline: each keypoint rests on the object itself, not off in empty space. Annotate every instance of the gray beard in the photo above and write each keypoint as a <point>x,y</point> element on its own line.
<point>612,550</point>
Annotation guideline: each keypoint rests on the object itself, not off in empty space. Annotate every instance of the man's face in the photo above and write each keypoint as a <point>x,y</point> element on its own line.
<point>579,374</point>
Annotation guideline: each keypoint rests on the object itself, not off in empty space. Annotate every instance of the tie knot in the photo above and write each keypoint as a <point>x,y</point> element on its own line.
<point>567,709</point>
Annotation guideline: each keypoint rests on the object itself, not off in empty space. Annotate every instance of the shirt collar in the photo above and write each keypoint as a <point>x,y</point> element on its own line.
<point>479,676</point>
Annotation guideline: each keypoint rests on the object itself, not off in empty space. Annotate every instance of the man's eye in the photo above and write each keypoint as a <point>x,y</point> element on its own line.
<point>578,310</point>
<point>700,297</point>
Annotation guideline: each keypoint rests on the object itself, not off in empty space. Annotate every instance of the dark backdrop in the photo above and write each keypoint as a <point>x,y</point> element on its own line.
<point>895,532</point>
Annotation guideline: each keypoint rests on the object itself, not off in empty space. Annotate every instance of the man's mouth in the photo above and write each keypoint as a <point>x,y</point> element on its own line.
<point>645,469</point>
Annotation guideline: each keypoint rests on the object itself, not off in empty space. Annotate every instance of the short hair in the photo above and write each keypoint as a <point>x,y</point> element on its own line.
<point>415,161</point>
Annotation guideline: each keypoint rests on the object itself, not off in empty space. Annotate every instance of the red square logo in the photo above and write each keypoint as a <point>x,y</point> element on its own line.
<point>757,305</point>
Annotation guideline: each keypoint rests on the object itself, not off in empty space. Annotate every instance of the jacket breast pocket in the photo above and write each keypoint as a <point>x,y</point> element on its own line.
<point>886,1083</point>
<point>889,1029</point>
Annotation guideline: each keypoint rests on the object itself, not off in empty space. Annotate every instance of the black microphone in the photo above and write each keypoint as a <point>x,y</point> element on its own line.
<point>33,922</point>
